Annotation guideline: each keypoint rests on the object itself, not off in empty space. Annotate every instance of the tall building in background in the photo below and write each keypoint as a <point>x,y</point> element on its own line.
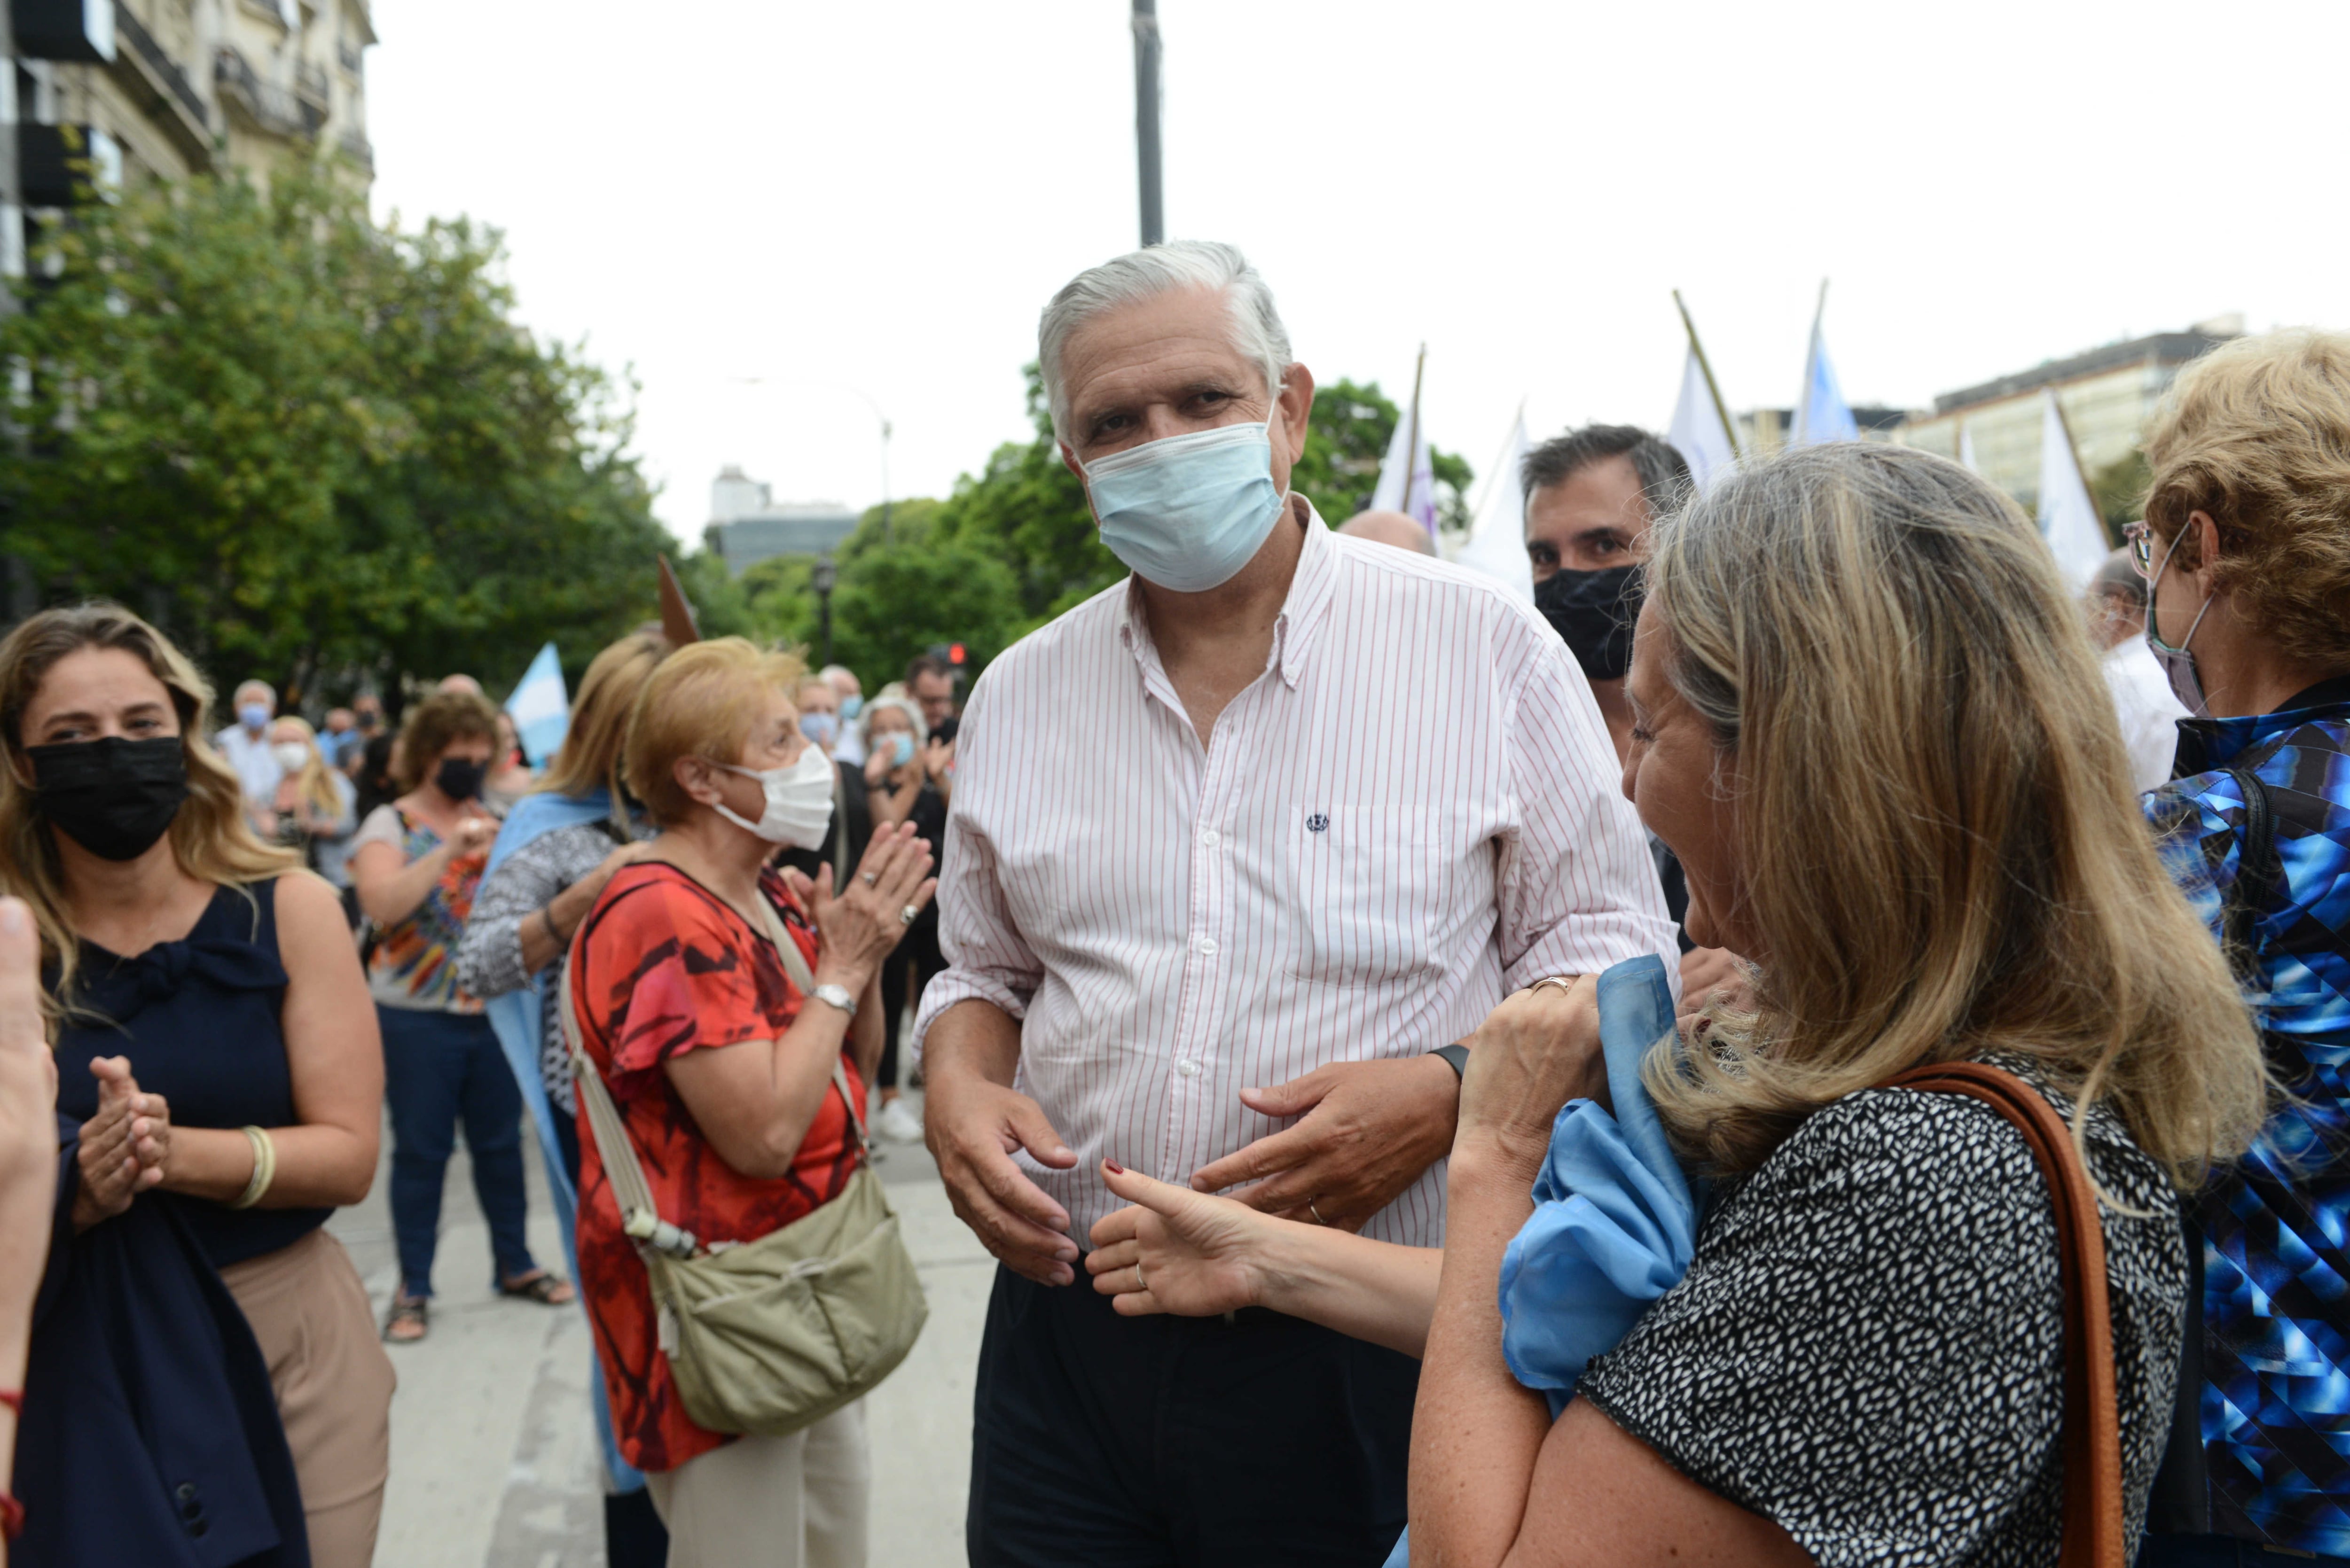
<point>164,88</point>
<point>2108,395</point>
<point>748,525</point>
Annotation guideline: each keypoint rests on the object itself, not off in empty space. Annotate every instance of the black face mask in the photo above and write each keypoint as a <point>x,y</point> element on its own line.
<point>459,779</point>
<point>1594,611</point>
<point>114,797</point>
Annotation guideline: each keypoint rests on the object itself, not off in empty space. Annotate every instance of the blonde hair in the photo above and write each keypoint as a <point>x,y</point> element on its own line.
<point>315,782</point>
<point>2257,433</point>
<point>702,702</point>
<point>1933,817</point>
<point>589,757</point>
<point>434,726</point>
<point>209,837</point>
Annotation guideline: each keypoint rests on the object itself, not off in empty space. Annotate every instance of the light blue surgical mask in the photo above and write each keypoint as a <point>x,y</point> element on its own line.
<point>254,716</point>
<point>901,749</point>
<point>1187,512</point>
<point>819,728</point>
<point>851,706</point>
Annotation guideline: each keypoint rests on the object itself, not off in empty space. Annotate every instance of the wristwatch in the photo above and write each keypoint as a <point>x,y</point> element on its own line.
<point>1456,1056</point>
<point>836,996</point>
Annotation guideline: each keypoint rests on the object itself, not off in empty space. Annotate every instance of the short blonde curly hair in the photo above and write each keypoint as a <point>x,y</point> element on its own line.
<point>703,700</point>
<point>2257,433</point>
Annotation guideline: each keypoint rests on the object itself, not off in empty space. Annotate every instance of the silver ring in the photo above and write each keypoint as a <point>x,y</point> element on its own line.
<point>1315,1212</point>
<point>1560,981</point>
<point>908,914</point>
<point>870,880</point>
<point>1140,1282</point>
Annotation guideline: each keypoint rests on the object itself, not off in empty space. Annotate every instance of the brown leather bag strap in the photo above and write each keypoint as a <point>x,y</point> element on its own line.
<point>2094,1530</point>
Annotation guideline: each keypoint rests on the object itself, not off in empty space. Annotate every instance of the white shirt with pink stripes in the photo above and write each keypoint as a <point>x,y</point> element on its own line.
<point>1413,811</point>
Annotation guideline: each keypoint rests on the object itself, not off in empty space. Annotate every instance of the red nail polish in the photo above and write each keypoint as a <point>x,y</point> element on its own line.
<point>1114,1168</point>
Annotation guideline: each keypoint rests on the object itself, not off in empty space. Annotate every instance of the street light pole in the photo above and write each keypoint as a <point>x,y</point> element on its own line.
<point>1146,117</point>
<point>821,577</point>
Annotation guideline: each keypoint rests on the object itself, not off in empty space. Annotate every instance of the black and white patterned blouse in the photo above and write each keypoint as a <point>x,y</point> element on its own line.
<point>489,955</point>
<point>1868,1346</point>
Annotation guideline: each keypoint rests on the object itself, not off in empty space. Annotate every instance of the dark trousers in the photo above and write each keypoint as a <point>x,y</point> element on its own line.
<point>905,975</point>
<point>1099,1441</point>
<point>438,1068</point>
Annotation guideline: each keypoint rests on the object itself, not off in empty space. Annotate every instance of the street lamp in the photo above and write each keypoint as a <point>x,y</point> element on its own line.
<point>821,576</point>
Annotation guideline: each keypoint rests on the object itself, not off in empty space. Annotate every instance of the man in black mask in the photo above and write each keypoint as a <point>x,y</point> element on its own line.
<point>1591,495</point>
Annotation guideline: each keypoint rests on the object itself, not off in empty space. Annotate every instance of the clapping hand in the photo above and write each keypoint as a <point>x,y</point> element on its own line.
<point>124,1148</point>
<point>863,924</point>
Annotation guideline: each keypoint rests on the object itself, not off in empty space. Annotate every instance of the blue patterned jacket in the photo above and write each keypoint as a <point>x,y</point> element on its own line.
<point>2274,1347</point>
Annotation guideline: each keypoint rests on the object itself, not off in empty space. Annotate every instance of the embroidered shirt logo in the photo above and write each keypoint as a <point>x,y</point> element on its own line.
<point>1318,823</point>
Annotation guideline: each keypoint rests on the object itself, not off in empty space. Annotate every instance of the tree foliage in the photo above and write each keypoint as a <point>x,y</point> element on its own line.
<point>313,449</point>
<point>2120,491</point>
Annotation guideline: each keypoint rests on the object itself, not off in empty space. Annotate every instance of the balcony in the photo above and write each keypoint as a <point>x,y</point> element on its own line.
<point>157,84</point>
<point>265,106</point>
<point>356,147</point>
<point>310,84</point>
<point>61,165</point>
<point>80,30</point>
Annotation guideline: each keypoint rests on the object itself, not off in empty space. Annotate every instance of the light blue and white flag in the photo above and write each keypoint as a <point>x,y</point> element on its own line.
<point>1697,430</point>
<point>1407,480</point>
<point>541,707</point>
<point>1822,415</point>
<point>2068,515</point>
<point>1496,545</point>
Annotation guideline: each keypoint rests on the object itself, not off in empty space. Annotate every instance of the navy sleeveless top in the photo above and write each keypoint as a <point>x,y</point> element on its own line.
<point>199,1020</point>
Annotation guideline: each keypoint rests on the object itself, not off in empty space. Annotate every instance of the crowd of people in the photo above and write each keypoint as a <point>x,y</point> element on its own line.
<point>1817,1040</point>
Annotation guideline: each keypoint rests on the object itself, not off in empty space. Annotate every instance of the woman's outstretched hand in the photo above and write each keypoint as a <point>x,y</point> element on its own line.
<point>1178,1250</point>
<point>1536,1050</point>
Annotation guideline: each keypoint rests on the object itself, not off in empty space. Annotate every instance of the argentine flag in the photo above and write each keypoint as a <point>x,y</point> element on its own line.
<point>1822,415</point>
<point>541,707</point>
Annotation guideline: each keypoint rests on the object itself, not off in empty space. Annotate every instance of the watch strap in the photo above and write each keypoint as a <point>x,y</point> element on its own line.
<point>1456,1056</point>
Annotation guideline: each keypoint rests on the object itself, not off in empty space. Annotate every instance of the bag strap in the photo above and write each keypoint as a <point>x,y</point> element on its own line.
<point>2094,1535</point>
<point>639,1216</point>
<point>2257,869</point>
<point>839,832</point>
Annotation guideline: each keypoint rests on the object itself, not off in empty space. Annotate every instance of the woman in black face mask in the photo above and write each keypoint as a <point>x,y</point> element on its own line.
<point>416,864</point>
<point>218,1097</point>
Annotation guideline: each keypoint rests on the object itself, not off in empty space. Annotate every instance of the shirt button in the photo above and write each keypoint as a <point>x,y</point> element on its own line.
<point>1189,1069</point>
<point>1206,947</point>
<point>1211,839</point>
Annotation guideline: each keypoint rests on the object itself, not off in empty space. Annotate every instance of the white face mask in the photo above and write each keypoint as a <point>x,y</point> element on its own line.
<point>292,756</point>
<point>799,801</point>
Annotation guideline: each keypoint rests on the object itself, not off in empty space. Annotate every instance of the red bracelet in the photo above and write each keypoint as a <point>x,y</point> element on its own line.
<point>11,1517</point>
<point>13,1398</point>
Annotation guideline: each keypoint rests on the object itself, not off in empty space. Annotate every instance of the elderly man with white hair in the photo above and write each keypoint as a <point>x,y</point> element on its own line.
<point>246,745</point>
<point>1241,847</point>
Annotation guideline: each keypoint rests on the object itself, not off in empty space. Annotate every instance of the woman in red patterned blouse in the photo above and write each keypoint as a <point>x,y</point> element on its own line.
<point>724,1073</point>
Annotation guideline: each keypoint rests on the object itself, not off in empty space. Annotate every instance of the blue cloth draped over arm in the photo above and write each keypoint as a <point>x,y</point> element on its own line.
<point>515,1017</point>
<point>1615,1221</point>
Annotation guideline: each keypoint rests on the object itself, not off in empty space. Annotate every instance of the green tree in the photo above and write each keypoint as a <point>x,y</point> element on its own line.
<point>2120,491</point>
<point>313,448</point>
<point>1345,440</point>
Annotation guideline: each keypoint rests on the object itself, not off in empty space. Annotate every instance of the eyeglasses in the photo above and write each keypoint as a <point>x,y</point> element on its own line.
<point>2140,540</point>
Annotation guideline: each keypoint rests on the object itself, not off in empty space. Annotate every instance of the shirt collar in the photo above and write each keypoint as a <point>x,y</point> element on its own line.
<point>1310,590</point>
<point>2205,744</point>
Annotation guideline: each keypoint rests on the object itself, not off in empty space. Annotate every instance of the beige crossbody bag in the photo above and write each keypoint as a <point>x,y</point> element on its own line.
<point>771,1336</point>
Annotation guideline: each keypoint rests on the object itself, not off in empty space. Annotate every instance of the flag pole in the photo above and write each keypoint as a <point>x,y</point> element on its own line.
<point>1720,409</point>
<point>1411,447</point>
<point>2073,448</point>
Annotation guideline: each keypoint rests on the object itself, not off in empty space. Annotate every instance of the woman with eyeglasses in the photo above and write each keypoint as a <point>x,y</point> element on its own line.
<point>2246,545</point>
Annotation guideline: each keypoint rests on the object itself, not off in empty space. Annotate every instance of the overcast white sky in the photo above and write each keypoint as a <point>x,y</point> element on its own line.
<point>880,196</point>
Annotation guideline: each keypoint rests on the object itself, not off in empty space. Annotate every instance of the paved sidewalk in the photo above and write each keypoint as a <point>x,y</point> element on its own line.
<point>492,1439</point>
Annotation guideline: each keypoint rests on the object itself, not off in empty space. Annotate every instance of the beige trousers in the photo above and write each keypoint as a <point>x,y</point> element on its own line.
<point>334,1386</point>
<point>772,1502</point>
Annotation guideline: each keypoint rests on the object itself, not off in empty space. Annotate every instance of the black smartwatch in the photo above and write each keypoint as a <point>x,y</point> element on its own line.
<point>1456,1056</point>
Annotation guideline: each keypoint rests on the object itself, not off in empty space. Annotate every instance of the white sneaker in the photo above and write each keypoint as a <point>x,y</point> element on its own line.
<point>898,1123</point>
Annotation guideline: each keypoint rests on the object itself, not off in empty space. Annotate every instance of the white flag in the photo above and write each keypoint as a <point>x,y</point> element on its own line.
<point>1697,428</point>
<point>1408,481</point>
<point>2068,517</point>
<point>1496,545</point>
<point>1966,447</point>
